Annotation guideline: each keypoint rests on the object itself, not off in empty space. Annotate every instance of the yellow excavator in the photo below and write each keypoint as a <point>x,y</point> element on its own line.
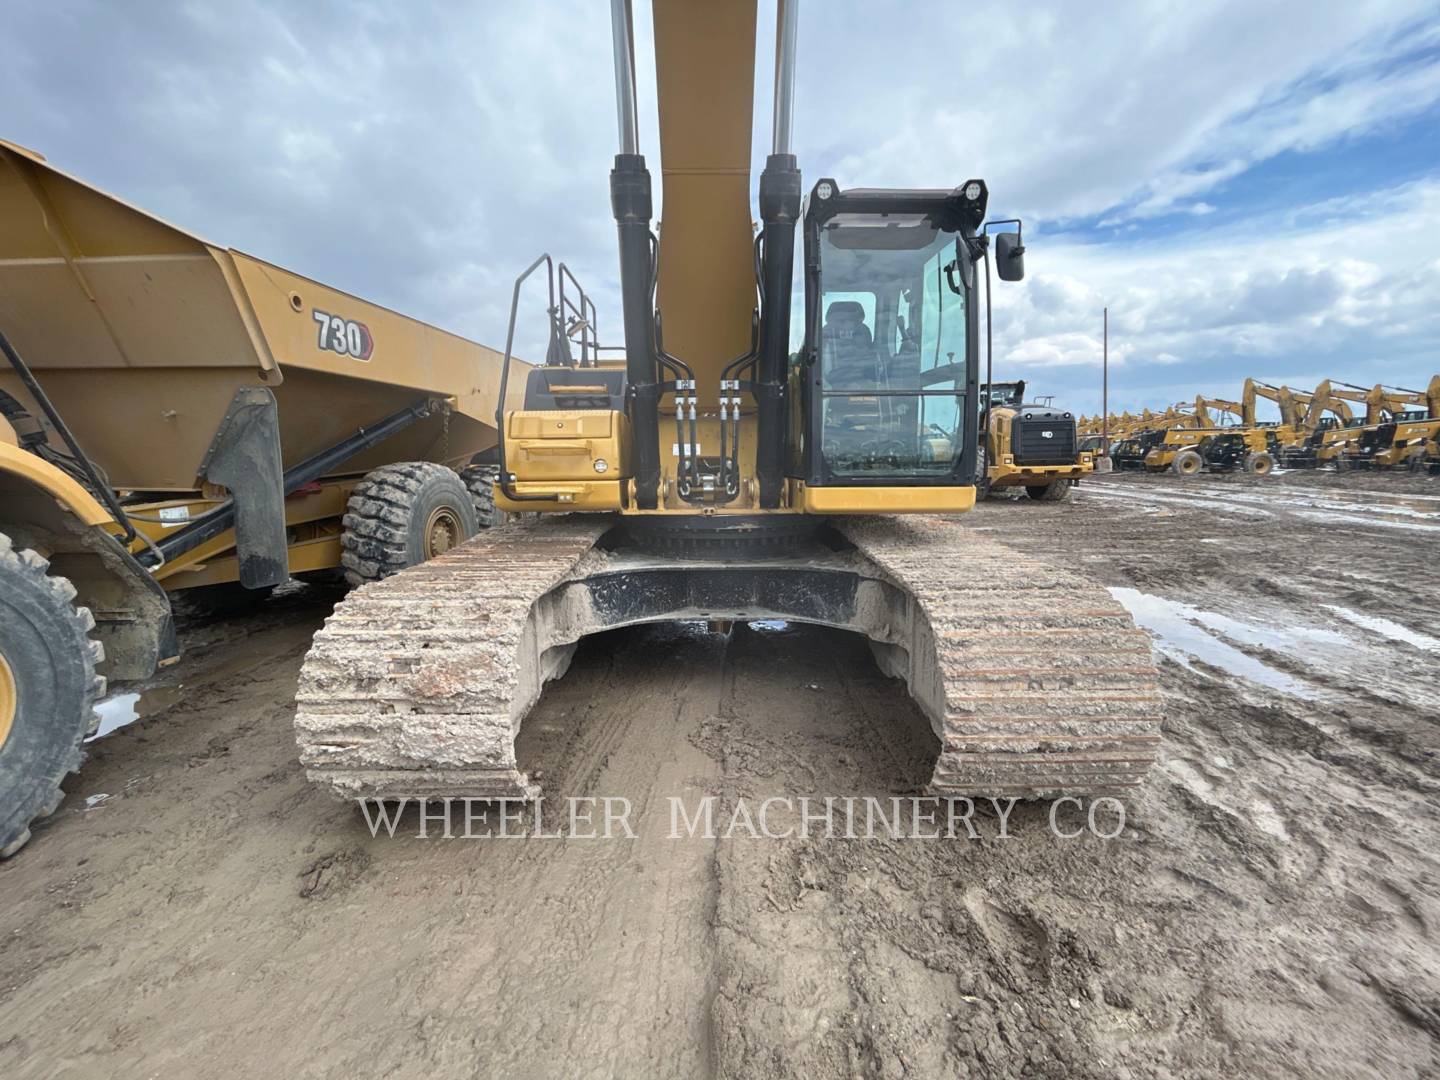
<point>1148,432</point>
<point>1325,422</point>
<point>1335,439</point>
<point>1396,434</point>
<point>711,472</point>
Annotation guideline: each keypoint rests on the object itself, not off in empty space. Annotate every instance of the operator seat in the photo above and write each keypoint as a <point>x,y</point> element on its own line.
<point>849,361</point>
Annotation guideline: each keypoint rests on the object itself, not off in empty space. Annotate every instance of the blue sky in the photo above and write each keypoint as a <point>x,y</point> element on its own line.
<point>1252,188</point>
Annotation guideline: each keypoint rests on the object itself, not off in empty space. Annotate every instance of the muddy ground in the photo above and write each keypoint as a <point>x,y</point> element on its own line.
<point>1271,909</point>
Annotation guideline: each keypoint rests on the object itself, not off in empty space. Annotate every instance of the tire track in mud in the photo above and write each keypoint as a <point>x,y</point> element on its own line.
<point>1306,815</point>
<point>611,932</point>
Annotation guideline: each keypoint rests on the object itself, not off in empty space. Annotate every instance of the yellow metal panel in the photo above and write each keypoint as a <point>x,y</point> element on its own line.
<point>29,468</point>
<point>206,564</point>
<point>564,445</point>
<point>705,71</point>
<point>319,554</point>
<point>400,352</point>
<point>1023,475</point>
<point>887,500</point>
<point>558,424</point>
<point>141,334</point>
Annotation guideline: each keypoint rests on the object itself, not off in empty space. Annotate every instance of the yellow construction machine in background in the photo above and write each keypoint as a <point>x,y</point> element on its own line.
<point>1030,446</point>
<point>178,416</point>
<point>1147,432</point>
<point>1400,429</point>
<point>1397,434</point>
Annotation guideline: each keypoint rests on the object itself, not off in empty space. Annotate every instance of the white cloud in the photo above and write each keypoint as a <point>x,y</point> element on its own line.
<point>422,153</point>
<point>1266,300</point>
<point>1081,109</point>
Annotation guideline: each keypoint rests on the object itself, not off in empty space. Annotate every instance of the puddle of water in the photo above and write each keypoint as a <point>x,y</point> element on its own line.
<point>93,801</point>
<point>122,709</point>
<point>1342,493</point>
<point>1398,506</point>
<point>1185,634</point>
<point>1392,630</point>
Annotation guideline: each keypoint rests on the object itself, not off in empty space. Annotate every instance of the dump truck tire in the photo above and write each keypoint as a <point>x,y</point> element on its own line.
<point>401,515</point>
<point>1055,491</point>
<point>1259,464</point>
<point>1187,463</point>
<point>480,480</point>
<point>48,690</point>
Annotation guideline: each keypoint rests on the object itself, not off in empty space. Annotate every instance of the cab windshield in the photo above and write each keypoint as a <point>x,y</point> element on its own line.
<point>892,347</point>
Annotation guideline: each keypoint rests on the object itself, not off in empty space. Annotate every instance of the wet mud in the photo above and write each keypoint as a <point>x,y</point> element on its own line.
<point>1269,908</point>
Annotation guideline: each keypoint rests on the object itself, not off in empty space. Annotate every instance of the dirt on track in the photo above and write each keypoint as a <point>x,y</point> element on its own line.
<point>1270,909</point>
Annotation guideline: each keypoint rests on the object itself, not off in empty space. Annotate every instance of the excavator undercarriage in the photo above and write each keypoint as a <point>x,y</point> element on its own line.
<point>1034,681</point>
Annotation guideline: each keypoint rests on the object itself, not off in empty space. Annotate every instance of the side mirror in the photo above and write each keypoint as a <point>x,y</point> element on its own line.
<point>1009,256</point>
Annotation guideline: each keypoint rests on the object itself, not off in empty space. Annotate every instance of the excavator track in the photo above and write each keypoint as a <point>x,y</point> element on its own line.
<point>1035,682</point>
<point>416,685</point>
<point>1048,687</point>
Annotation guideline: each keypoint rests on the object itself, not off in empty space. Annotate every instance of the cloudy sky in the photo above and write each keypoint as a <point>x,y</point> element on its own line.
<point>1252,188</point>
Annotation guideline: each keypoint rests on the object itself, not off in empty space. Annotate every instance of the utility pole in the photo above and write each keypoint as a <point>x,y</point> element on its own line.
<point>1105,389</point>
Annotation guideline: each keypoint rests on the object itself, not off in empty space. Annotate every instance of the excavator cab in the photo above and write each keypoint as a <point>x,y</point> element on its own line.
<point>887,374</point>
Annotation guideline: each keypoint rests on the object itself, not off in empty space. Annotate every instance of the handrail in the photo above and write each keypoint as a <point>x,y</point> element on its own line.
<point>584,313</point>
<point>505,478</point>
<point>559,303</point>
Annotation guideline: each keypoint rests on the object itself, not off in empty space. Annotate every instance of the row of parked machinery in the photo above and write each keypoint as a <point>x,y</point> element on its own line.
<point>1337,424</point>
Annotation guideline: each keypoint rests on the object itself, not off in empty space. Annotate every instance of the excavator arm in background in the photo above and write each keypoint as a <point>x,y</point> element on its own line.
<point>1203,405</point>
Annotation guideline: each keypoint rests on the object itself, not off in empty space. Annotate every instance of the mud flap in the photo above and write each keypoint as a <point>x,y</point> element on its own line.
<point>245,458</point>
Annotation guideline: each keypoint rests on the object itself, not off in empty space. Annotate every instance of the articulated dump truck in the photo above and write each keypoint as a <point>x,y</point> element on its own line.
<point>176,416</point>
<point>710,471</point>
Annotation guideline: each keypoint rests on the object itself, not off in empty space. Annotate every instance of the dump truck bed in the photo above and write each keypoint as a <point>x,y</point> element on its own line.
<point>141,333</point>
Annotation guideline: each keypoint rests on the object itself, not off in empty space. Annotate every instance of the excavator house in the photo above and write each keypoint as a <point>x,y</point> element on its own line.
<point>709,473</point>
